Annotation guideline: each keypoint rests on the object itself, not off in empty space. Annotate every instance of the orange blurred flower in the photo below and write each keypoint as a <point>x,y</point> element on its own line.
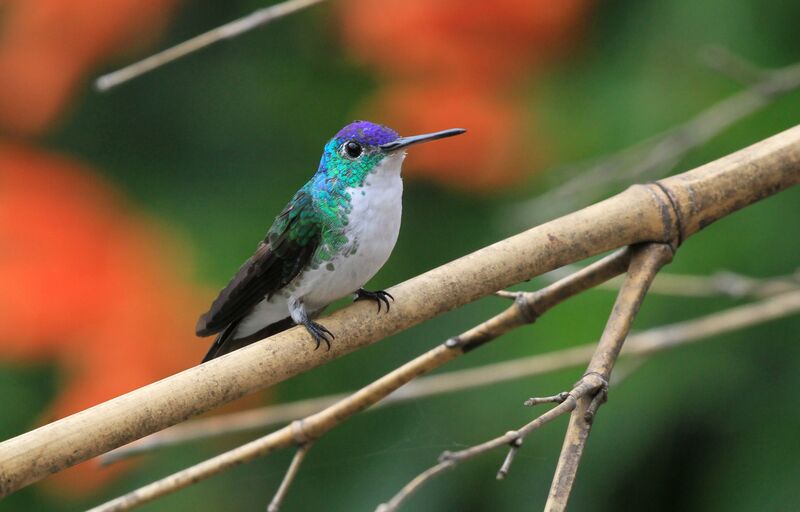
<point>89,285</point>
<point>461,63</point>
<point>86,283</point>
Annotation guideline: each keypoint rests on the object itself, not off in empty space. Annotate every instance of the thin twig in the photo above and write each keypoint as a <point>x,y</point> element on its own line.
<point>718,284</point>
<point>727,63</point>
<point>514,447</point>
<point>229,30</point>
<point>291,473</point>
<point>723,283</point>
<point>512,438</point>
<point>658,155</point>
<point>555,399</point>
<point>412,486</point>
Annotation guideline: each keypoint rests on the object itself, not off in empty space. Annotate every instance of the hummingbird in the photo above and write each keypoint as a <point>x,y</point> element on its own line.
<point>331,238</point>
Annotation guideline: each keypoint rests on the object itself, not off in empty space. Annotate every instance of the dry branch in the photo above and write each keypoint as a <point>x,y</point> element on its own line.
<point>719,284</point>
<point>291,473</point>
<point>227,31</point>
<point>645,264</point>
<point>673,209</point>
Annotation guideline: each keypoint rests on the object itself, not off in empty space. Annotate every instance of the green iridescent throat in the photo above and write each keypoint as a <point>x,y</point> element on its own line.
<point>320,210</point>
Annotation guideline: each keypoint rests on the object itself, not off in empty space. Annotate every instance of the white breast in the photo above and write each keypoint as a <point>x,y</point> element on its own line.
<point>374,223</point>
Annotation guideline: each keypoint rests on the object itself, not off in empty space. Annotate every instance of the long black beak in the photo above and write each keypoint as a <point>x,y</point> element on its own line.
<point>404,142</point>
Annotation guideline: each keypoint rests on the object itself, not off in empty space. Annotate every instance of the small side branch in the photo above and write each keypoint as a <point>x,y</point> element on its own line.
<point>719,284</point>
<point>291,473</point>
<point>412,486</point>
<point>555,399</point>
<point>514,447</point>
<point>727,63</point>
<point>513,439</point>
<point>229,30</point>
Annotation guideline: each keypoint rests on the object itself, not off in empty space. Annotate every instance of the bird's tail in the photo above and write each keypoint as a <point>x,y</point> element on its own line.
<point>226,343</point>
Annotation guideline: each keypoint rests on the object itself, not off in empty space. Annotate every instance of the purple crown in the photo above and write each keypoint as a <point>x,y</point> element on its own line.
<point>366,133</point>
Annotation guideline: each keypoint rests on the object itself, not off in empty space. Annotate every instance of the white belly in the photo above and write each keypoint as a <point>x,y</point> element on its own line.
<point>374,223</point>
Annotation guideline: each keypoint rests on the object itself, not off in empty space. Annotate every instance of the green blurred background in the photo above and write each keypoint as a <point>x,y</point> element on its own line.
<point>214,145</point>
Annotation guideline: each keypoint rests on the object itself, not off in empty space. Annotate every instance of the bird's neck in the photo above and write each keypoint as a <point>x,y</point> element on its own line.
<point>386,174</point>
<point>334,193</point>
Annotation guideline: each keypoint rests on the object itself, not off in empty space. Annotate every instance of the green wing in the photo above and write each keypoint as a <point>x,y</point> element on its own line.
<point>288,247</point>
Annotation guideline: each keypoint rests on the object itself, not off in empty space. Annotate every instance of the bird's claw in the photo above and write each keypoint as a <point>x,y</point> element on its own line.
<point>320,333</point>
<point>380,297</point>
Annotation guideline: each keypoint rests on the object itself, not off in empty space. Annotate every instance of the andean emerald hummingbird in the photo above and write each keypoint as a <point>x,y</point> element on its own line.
<point>333,236</point>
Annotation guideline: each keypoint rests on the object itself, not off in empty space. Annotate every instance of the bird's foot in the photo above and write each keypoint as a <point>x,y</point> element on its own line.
<point>319,332</point>
<point>380,296</point>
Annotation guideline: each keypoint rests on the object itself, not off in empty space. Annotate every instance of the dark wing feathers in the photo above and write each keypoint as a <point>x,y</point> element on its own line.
<point>287,248</point>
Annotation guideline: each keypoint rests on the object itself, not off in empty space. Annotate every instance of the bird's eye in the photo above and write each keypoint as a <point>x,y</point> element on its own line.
<point>352,149</point>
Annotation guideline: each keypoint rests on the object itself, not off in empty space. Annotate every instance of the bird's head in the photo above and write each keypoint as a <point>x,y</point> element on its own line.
<point>360,146</point>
